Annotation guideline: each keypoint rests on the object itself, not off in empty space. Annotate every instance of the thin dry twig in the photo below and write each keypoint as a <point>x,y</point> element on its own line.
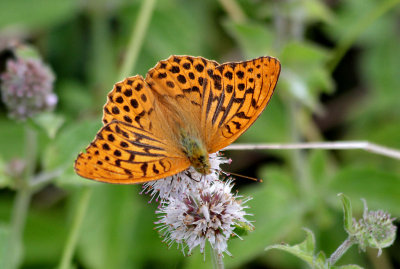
<point>337,145</point>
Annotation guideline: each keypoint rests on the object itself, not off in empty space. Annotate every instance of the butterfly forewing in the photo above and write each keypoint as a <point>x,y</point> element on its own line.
<point>253,84</point>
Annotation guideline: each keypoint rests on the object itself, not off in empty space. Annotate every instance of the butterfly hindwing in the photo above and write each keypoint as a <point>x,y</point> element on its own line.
<point>130,148</point>
<point>125,154</point>
<point>131,101</point>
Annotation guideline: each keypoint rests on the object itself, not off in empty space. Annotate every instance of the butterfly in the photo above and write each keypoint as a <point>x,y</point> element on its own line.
<point>186,108</point>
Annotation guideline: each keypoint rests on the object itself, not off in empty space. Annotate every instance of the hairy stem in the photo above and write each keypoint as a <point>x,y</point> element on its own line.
<point>340,251</point>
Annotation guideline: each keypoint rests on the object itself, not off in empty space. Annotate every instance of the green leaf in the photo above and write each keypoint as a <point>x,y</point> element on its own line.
<point>318,11</point>
<point>49,122</point>
<point>69,143</point>
<point>255,39</point>
<point>304,72</point>
<point>347,213</point>
<point>318,162</point>
<point>320,260</point>
<point>380,188</point>
<point>305,250</point>
<point>38,13</point>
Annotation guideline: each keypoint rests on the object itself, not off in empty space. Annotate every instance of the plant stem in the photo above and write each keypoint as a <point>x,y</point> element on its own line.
<point>72,239</point>
<point>20,211</point>
<point>22,200</point>
<point>217,259</point>
<point>356,30</point>
<point>137,37</point>
<point>336,145</point>
<point>234,11</point>
<point>340,251</point>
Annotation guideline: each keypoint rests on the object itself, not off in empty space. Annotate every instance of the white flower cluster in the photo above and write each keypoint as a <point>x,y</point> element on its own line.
<point>195,209</point>
<point>181,183</point>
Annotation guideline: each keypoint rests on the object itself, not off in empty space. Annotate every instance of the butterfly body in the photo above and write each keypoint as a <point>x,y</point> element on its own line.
<point>186,108</point>
<point>196,153</point>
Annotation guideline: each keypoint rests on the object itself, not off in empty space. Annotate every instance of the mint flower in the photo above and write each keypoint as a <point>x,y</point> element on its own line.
<point>207,212</point>
<point>27,88</point>
<point>179,184</point>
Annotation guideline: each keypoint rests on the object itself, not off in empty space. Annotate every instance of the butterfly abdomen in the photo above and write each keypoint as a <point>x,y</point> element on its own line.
<point>196,152</point>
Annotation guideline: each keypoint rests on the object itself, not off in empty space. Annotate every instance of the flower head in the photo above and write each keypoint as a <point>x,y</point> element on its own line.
<point>179,184</point>
<point>27,87</point>
<point>208,212</point>
<point>374,230</point>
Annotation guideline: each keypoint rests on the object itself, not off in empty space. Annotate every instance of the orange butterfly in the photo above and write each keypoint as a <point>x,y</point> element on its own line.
<point>186,108</point>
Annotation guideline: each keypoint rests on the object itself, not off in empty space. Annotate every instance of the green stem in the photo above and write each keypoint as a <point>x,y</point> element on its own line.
<point>356,30</point>
<point>234,11</point>
<point>340,251</point>
<point>22,200</point>
<point>70,246</point>
<point>137,37</point>
<point>101,67</point>
<point>217,259</point>
<point>20,211</point>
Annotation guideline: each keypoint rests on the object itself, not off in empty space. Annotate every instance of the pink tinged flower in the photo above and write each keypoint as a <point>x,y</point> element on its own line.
<point>209,212</point>
<point>179,184</point>
<point>375,229</point>
<point>27,88</point>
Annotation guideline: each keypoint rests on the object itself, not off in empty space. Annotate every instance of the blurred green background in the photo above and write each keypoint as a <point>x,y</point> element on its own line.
<point>340,81</point>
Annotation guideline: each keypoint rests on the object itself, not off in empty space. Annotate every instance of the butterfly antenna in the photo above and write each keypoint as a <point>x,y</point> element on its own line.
<point>238,175</point>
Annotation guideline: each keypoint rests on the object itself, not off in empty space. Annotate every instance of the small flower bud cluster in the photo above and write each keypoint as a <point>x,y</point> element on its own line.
<point>196,209</point>
<point>27,87</point>
<point>374,230</point>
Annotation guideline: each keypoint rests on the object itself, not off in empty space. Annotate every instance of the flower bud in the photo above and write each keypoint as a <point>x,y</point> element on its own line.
<point>375,230</point>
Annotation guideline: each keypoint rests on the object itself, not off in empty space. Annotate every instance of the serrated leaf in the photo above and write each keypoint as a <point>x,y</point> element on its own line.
<point>304,250</point>
<point>347,213</point>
